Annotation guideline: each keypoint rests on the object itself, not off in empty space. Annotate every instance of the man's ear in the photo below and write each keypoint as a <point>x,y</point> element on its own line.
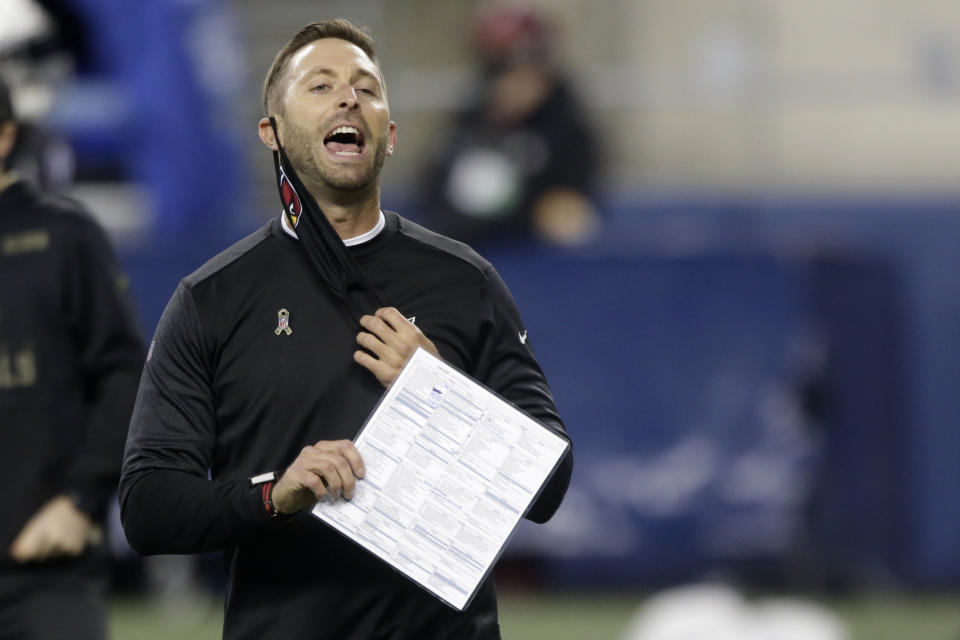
<point>8,137</point>
<point>392,138</point>
<point>267,134</point>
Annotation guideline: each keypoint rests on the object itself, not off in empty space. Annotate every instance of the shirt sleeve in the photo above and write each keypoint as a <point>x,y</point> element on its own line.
<point>505,363</point>
<point>168,504</point>
<point>110,355</point>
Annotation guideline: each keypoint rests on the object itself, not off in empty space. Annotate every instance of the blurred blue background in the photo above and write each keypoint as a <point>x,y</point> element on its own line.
<point>758,353</point>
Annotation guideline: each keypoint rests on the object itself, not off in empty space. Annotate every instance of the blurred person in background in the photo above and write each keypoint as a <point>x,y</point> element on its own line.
<point>521,157</point>
<point>265,365</point>
<point>70,360</point>
<point>31,44</point>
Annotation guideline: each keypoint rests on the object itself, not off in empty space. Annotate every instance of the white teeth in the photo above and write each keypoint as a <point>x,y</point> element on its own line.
<point>347,130</point>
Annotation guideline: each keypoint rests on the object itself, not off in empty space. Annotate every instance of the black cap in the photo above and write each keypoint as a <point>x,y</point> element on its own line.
<point>6,103</point>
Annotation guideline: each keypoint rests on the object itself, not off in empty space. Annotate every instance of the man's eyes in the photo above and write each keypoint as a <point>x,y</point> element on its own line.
<point>323,87</point>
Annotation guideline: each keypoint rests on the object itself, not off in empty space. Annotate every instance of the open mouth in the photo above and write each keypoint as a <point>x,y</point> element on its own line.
<point>344,140</point>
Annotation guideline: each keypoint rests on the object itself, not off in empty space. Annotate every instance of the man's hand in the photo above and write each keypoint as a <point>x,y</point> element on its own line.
<point>58,530</point>
<point>392,339</point>
<point>329,467</point>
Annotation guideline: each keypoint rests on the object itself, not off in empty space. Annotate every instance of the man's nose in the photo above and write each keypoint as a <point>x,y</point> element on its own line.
<point>348,98</point>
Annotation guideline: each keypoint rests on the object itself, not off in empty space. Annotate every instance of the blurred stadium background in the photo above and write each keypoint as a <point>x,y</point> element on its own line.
<point>758,357</point>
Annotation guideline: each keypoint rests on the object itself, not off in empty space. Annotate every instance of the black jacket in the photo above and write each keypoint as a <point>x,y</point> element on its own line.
<point>224,396</point>
<point>70,359</point>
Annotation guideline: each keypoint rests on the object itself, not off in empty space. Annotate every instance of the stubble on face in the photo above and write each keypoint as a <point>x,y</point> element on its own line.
<point>306,152</point>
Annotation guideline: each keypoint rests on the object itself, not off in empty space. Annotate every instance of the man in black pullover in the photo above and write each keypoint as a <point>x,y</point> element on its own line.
<point>70,359</point>
<point>265,365</point>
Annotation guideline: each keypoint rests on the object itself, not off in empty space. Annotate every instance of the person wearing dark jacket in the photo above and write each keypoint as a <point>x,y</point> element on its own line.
<point>70,359</point>
<point>521,157</point>
<point>269,358</point>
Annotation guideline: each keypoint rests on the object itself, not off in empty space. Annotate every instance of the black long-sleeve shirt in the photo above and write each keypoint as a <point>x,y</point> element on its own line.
<point>70,360</point>
<point>225,396</point>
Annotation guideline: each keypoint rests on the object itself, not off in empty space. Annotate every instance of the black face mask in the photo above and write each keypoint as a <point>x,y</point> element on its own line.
<point>334,264</point>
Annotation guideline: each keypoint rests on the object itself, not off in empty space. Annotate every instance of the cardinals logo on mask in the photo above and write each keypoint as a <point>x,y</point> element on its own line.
<point>332,261</point>
<point>291,201</point>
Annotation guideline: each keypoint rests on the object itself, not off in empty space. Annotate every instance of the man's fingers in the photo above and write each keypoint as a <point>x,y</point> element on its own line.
<point>32,545</point>
<point>338,463</point>
<point>332,472</point>
<point>328,468</point>
<point>29,544</point>
<point>395,319</point>
<point>298,487</point>
<point>349,451</point>
<point>342,475</point>
<point>392,339</point>
<point>382,351</point>
<point>319,469</point>
<point>378,327</point>
<point>409,335</point>
<point>23,548</point>
<point>316,485</point>
<point>58,529</point>
<point>377,367</point>
<point>391,327</point>
<point>349,465</point>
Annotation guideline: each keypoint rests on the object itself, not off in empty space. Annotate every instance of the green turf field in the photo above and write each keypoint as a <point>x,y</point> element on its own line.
<point>594,616</point>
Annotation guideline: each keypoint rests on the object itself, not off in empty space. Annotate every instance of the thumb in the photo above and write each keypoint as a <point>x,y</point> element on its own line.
<point>21,548</point>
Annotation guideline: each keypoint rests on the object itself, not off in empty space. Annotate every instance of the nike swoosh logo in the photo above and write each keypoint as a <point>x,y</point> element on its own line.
<point>523,338</point>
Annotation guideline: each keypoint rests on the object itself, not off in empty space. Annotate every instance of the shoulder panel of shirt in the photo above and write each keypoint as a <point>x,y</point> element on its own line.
<point>442,244</point>
<point>229,256</point>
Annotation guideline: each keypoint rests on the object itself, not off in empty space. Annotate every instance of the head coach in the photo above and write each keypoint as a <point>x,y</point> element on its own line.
<point>268,359</point>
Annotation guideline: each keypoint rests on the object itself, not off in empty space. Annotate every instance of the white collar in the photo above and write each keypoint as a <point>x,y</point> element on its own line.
<point>350,242</point>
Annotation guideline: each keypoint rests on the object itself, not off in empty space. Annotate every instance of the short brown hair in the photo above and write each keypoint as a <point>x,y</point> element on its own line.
<point>336,28</point>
